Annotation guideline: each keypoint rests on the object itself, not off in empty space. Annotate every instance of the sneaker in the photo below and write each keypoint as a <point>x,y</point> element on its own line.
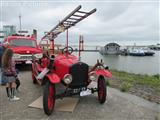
<point>14,98</point>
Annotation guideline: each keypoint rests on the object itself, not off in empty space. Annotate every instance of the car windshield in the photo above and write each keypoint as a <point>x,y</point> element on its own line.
<point>23,42</point>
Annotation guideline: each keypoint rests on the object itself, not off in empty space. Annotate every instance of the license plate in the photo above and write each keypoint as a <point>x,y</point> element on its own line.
<point>85,93</point>
<point>28,62</point>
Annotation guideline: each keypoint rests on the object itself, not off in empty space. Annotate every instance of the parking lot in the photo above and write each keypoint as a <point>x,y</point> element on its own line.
<point>119,106</point>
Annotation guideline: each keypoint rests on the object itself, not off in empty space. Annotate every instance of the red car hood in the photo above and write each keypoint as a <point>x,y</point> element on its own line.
<point>26,50</point>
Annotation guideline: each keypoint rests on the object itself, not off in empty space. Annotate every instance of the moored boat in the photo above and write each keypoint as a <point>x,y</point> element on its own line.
<point>141,52</point>
<point>136,52</point>
<point>148,52</point>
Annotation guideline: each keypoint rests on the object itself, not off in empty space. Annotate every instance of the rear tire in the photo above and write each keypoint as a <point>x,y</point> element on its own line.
<point>101,90</point>
<point>49,98</point>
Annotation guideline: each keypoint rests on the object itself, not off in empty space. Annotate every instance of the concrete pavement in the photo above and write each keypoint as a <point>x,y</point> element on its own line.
<point>119,106</point>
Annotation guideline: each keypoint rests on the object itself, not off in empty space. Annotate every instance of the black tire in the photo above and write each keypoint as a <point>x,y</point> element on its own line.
<point>101,90</point>
<point>49,98</point>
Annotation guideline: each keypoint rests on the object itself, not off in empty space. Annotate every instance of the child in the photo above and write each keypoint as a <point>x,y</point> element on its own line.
<point>8,66</point>
<point>2,49</point>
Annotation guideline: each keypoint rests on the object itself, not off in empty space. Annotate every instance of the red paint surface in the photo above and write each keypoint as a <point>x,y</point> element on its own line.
<point>102,72</point>
<point>53,78</point>
<point>62,64</point>
<point>24,49</point>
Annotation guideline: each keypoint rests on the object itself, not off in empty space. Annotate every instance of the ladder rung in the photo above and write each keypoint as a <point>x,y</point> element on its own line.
<point>82,12</point>
<point>77,15</point>
<point>68,24</point>
<point>73,18</point>
<point>70,21</point>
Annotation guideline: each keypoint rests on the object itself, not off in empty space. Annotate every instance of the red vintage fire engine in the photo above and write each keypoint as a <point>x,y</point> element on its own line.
<point>67,70</point>
<point>24,47</point>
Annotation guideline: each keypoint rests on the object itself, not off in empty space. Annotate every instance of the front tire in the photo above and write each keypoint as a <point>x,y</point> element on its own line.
<point>101,90</point>
<point>49,98</point>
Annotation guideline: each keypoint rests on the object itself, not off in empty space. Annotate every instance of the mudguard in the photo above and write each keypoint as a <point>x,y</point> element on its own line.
<point>53,78</point>
<point>102,72</point>
<point>36,67</point>
<point>44,62</point>
<point>39,68</point>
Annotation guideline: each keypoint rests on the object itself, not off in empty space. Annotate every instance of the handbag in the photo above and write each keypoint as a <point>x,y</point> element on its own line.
<point>17,83</point>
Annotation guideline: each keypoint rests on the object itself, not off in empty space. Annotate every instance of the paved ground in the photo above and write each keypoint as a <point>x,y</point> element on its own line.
<point>119,106</point>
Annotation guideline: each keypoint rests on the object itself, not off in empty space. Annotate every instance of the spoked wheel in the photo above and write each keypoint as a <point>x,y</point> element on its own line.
<point>101,90</point>
<point>49,98</point>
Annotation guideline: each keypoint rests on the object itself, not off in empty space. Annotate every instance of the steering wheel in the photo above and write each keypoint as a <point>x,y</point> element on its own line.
<point>69,51</point>
<point>50,57</point>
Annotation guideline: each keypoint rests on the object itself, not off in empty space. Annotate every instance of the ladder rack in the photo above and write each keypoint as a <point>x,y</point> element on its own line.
<point>70,20</point>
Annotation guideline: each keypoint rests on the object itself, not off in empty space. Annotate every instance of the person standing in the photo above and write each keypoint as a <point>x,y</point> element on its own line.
<point>1,53</point>
<point>9,71</point>
<point>4,46</point>
<point>2,49</point>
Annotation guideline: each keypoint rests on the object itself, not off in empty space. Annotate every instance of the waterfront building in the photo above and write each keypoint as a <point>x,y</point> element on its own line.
<point>9,30</point>
<point>111,48</point>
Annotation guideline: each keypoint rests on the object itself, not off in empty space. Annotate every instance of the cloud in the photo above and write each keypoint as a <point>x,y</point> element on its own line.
<point>114,20</point>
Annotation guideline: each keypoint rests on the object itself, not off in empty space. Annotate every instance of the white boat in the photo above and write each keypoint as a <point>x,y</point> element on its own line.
<point>141,52</point>
<point>137,52</point>
<point>148,52</point>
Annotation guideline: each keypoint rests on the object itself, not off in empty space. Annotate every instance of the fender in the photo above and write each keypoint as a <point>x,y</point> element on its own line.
<point>102,72</point>
<point>34,70</point>
<point>44,62</point>
<point>39,68</point>
<point>53,78</point>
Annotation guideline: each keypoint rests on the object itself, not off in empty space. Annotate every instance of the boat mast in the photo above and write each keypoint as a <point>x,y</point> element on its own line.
<point>20,25</point>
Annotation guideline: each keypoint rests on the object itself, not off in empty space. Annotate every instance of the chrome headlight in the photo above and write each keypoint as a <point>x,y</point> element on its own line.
<point>38,55</point>
<point>16,56</point>
<point>67,78</point>
<point>93,77</point>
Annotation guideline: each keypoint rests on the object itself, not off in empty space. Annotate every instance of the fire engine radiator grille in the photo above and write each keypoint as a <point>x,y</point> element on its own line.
<point>79,72</point>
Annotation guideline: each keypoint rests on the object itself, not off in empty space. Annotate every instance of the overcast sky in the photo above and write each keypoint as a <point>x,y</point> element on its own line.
<point>115,20</point>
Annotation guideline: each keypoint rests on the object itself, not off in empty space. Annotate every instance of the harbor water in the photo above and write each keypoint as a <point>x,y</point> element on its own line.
<point>134,64</point>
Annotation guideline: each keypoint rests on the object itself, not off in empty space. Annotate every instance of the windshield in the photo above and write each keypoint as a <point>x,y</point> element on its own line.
<point>23,42</point>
